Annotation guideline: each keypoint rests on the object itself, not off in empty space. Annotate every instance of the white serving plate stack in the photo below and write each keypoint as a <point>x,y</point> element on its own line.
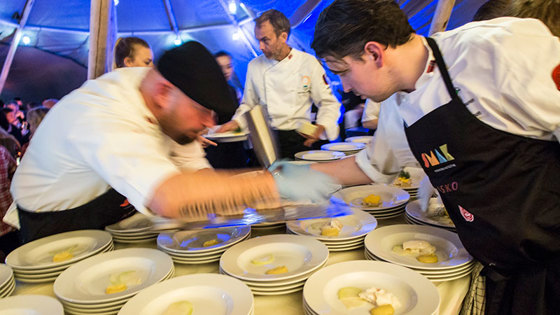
<point>7,281</point>
<point>347,148</point>
<point>393,199</point>
<point>208,294</point>
<point>81,288</point>
<point>269,227</point>
<point>30,305</point>
<point>301,255</point>
<point>135,229</point>
<point>319,155</point>
<point>351,236</point>
<point>415,293</point>
<point>415,215</point>
<point>229,136</point>
<point>33,262</point>
<point>186,247</point>
<point>416,176</point>
<point>360,139</point>
<point>454,261</point>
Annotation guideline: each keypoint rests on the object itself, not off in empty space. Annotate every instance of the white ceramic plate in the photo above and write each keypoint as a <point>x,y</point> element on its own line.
<point>428,272</point>
<point>192,241</point>
<point>414,210</point>
<point>359,139</point>
<point>300,254</point>
<point>343,146</point>
<point>39,253</point>
<point>229,136</point>
<point>209,294</point>
<point>86,281</point>
<point>416,294</point>
<point>136,223</point>
<point>279,292</point>
<point>343,249</point>
<point>31,304</point>
<point>355,225</point>
<point>391,197</point>
<point>6,274</point>
<point>449,249</point>
<point>416,176</point>
<point>319,155</point>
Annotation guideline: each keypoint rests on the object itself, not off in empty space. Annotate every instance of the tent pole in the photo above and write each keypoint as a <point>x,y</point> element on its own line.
<point>14,44</point>
<point>244,36</point>
<point>441,16</point>
<point>171,17</point>
<point>103,32</point>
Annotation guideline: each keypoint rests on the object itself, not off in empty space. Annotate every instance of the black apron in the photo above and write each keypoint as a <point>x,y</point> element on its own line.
<point>291,142</point>
<point>104,210</point>
<point>502,191</point>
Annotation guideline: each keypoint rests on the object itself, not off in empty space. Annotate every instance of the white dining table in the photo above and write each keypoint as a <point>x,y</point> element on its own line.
<point>451,293</point>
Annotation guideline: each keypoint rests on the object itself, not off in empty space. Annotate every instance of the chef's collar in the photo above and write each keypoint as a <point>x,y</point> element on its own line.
<point>429,68</point>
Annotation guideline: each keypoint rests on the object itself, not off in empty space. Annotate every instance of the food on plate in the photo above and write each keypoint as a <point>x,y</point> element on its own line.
<point>179,308</point>
<point>211,242</point>
<point>371,201</point>
<point>386,309</point>
<point>277,270</point>
<point>332,228</point>
<point>415,248</point>
<point>62,256</point>
<point>383,302</point>
<point>427,259</point>
<point>264,260</point>
<point>403,180</point>
<point>436,211</point>
<point>122,280</point>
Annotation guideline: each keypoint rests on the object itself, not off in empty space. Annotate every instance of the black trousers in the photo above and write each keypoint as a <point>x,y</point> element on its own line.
<point>290,142</point>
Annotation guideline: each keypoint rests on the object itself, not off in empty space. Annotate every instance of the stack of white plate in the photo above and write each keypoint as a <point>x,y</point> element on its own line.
<point>7,281</point>
<point>347,148</point>
<point>268,226</point>
<point>135,229</point>
<point>359,139</point>
<point>351,236</point>
<point>416,176</point>
<point>204,293</point>
<point>415,294</point>
<point>187,247</point>
<point>393,200</point>
<point>34,261</point>
<point>82,287</point>
<point>230,136</point>
<point>319,155</point>
<point>250,260</point>
<point>31,304</point>
<point>453,260</point>
<point>415,215</point>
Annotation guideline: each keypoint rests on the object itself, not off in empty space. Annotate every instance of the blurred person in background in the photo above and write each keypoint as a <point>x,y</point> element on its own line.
<point>133,52</point>
<point>49,103</point>
<point>34,119</point>
<point>9,150</point>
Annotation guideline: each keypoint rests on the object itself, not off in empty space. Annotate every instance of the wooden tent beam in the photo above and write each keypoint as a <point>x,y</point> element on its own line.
<point>441,16</point>
<point>14,44</point>
<point>103,33</point>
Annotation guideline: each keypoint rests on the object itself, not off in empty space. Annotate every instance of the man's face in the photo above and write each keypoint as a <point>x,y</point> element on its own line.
<point>361,76</point>
<point>270,44</point>
<point>183,119</point>
<point>226,65</point>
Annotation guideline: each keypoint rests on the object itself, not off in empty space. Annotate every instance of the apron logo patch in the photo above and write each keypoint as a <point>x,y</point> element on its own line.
<point>469,217</point>
<point>556,76</point>
<point>446,188</point>
<point>306,83</point>
<point>437,156</point>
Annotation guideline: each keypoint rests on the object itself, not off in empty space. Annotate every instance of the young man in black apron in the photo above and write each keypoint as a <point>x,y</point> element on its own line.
<point>482,116</point>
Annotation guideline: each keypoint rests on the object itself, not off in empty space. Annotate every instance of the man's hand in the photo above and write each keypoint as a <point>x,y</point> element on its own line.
<point>205,142</point>
<point>315,137</point>
<point>229,126</point>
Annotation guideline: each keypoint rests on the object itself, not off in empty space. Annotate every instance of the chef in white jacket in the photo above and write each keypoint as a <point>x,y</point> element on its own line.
<point>287,82</point>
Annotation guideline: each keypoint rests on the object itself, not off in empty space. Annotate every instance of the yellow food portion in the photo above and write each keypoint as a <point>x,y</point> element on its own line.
<point>427,259</point>
<point>62,256</point>
<point>371,201</point>
<point>404,182</point>
<point>115,288</point>
<point>277,270</point>
<point>179,308</point>
<point>265,260</point>
<point>386,309</point>
<point>329,231</point>
<point>349,296</point>
<point>210,243</point>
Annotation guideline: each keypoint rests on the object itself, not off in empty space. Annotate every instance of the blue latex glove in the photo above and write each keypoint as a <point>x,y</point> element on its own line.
<point>300,183</point>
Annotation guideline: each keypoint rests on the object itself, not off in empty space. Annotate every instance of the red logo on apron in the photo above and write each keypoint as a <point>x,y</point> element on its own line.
<point>556,76</point>
<point>469,217</point>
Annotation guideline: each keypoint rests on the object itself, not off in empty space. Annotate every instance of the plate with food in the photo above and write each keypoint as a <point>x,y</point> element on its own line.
<point>409,178</point>
<point>369,287</point>
<point>319,155</point>
<point>341,228</point>
<point>346,147</point>
<point>202,241</point>
<point>436,214</point>
<point>373,197</point>
<point>360,139</point>
<point>274,257</point>
<point>229,136</point>
<point>418,247</point>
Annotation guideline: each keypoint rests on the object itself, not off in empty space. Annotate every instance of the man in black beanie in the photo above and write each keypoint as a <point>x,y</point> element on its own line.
<point>124,141</point>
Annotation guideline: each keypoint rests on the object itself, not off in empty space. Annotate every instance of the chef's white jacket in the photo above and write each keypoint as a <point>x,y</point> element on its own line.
<point>287,89</point>
<point>371,110</point>
<point>99,136</point>
<point>503,70</point>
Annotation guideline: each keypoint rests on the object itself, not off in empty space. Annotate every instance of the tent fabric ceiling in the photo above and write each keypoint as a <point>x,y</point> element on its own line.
<point>60,27</point>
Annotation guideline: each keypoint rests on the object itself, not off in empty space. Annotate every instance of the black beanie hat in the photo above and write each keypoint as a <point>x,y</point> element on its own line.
<point>194,70</point>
